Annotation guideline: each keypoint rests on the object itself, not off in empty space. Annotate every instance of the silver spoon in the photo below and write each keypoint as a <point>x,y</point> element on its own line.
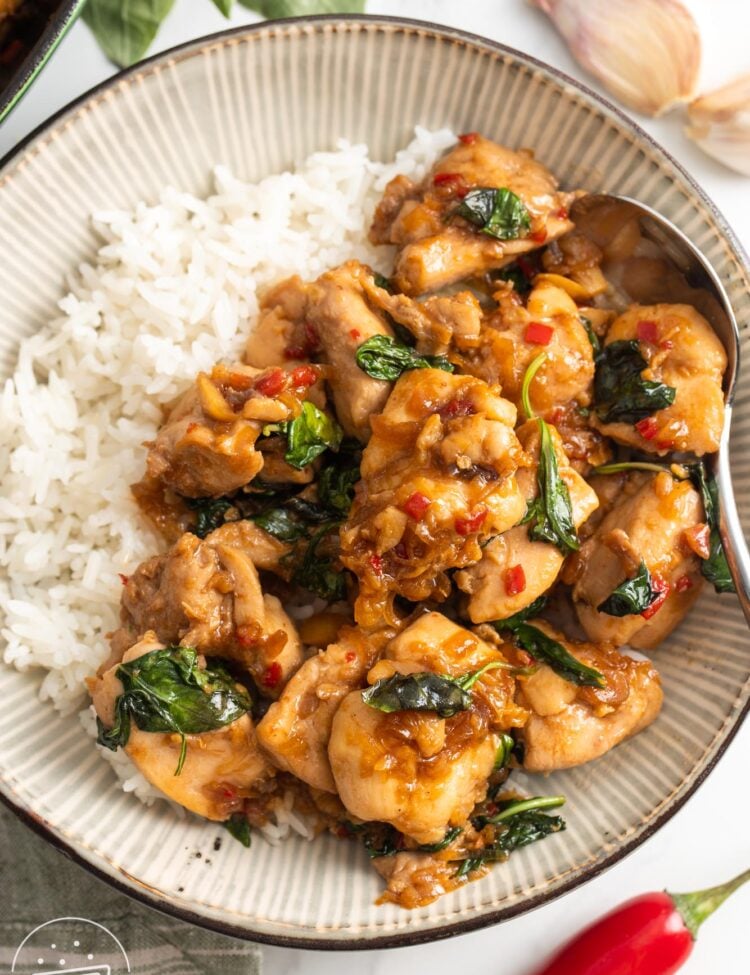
<point>690,278</point>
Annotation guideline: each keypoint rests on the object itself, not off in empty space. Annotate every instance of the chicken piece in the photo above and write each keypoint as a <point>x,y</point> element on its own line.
<point>438,249</point>
<point>570,725</point>
<point>490,582</point>
<point>295,730</point>
<point>222,767</point>
<point>515,335</point>
<point>206,447</point>
<point>415,879</point>
<point>331,317</point>
<point>413,769</point>
<point>206,594</point>
<point>683,351</point>
<point>575,260</point>
<point>647,520</point>
<point>438,479</point>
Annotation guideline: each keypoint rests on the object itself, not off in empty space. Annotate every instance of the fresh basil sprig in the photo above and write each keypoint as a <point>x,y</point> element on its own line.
<point>632,596</point>
<point>499,212</point>
<point>165,690</point>
<point>308,435</point>
<point>621,393</point>
<point>715,568</point>
<point>425,691</point>
<point>550,652</point>
<point>382,357</point>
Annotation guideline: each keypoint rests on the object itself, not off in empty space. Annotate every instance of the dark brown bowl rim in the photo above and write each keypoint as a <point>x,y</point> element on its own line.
<point>406,938</point>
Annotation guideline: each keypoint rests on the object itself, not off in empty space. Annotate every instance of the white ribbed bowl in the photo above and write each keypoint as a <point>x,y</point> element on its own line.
<point>261,99</point>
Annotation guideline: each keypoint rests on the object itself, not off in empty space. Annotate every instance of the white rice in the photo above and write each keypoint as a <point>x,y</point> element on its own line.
<point>172,289</point>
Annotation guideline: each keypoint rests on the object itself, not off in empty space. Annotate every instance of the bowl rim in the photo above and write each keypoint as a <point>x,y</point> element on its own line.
<point>163,903</point>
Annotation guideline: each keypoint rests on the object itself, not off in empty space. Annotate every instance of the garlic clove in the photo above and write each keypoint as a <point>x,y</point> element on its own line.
<point>719,123</point>
<point>645,52</point>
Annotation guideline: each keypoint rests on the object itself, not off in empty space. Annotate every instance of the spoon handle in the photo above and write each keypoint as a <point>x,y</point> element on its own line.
<point>731,531</point>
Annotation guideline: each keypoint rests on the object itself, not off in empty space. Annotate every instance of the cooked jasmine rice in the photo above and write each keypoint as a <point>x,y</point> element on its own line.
<point>172,289</point>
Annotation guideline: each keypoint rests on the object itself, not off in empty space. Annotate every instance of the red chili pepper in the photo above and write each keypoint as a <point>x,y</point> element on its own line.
<point>649,935</point>
<point>666,344</point>
<point>456,407</point>
<point>515,580</point>
<point>272,383</point>
<point>304,376</point>
<point>648,332</point>
<point>295,352</point>
<point>472,523</point>
<point>123,578</point>
<point>683,584</point>
<point>447,179</point>
<point>416,505</point>
<point>562,213</point>
<point>539,236</point>
<point>376,564</point>
<point>190,427</point>
<point>350,656</point>
<point>698,540</point>
<point>355,334</point>
<point>663,588</point>
<point>647,427</point>
<point>468,138</point>
<point>527,268</point>
<point>538,334</point>
<point>272,675</point>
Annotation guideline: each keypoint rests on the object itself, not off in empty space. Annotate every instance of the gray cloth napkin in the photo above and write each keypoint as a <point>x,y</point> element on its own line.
<point>40,885</point>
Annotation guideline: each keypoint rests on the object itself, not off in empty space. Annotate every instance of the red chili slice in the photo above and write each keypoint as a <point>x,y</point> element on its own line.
<point>416,505</point>
<point>538,334</point>
<point>698,539</point>
<point>515,580</point>
<point>355,334</point>
<point>272,383</point>
<point>376,564</point>
<point>648,331</point>
<point>304,376</point>
<point>468,138</point>
<point>456,407</point>
<point>663,588</point>
<point>446,179</point>
<point>472,523</point>
<point>683,584</point>
<point>562,213</point>
<point>539,236</point>
<point>647,427</point>
<point>350,656</point>
<point>272,675</point>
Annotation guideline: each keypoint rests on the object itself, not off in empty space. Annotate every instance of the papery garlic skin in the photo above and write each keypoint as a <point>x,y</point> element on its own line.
<point>719,122</point>
<point>645,52</point>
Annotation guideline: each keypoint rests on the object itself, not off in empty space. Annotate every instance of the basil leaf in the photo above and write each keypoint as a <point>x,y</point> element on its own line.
<point>632,596</point>
<point>166,691</point>
<point>309,435</point>
<point>124,31</point>
<point>550,514</point>
<point>620,392</point>
<point>497,212</point>
<point>318,574</point>
<point>291,520</point>
<point>210,514</point>
<point>381,281</point>
<point>426,691</point>
<point>532,610</point>
<point>504,752</point>
<point>239,827</point>
<point>225,6</point>
<point>382,357</point>
<point>518,824</point>
<point>715,568</point>
<point>275,9</point>
<point>520,281</point>
<point>596,345</point>
<point>450,835</point>
<point>551,652</point>
<point>339,477</point>
<point>379,839</point>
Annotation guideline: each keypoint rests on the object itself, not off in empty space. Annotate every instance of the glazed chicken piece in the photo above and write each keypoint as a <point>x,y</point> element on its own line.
<point>330,317</point>
<point>222,767</point>
<point>295,730</point>
<point>413,769</point>
<point>653,518</point>
<point>206,594</point>
<point>437,248</point>
<point>570,725</point>
<point>414,879</point>
<point>515,335</point>
<point>683,351</point>
<point>207,445</point>
<point>438,479</point>
<point>493,583</point>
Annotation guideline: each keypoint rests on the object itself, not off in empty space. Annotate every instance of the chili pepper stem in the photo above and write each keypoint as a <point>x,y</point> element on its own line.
<point>696,906</point>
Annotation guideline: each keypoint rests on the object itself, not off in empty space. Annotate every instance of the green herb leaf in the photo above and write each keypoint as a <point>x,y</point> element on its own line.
<point>497,212</point>
<point>317,573</point>
<point>550,514</point>
<point>125,30</point>
<point>210,514</point>
<point>239,827</point>
<point>520,281</point>
<point>450,835</point>
<point>620,392</point>
<point>339,477</point>
<point>426,691</point>
<point>551,652</point>
<point>292,519</point>
<point>309,435</point>
<point>275,9</point>
<point>381,281</point>
<point>165,690</point>
<point>532,610</point>
<point>504,752</point>
<point>596,345</point>
<point>512,807</point>
<point>225,6</point>
<point>632,596</point>
<point>715,568</point>
<point>382,357</point>
<point>518,824</point>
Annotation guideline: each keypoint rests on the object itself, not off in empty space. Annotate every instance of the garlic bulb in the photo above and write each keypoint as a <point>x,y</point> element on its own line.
<point>645,52</point>
<point>720,124</point>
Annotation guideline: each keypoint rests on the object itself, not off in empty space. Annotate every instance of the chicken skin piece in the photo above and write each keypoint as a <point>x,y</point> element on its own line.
<point>492,595</point>
<point>438,479</point>
<point>413,769</point>
<point>438,249</point>
<point>222,767</point>
<point>295,730</point>
<point>205,593</point>
<point>683,351</point>
<point>570,725</point>
<point>206,447</point>
<point>651,519</point>
<point>330,318</point>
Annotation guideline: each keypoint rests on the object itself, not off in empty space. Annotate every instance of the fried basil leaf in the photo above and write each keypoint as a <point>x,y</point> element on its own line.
<point>504,752</point>
<point>518,824</point>
<point>239,827</point>
<point>318,573</point>
<point>550,652</point>
<point>309,435</point>
<point>426,691</point>
<point>621,394</point>
<point>382,357</point>
<point>715,568</point>
<point>550,514</point>
<point>632,596</point>
<point>596,344</point>
<point>497,212</point>
<point>166,691</point>
<point>532,610</point>
<point>292,519</point>
<point>515,275</point>
<point>339,477</point>
<point>450,835</point>
<point>210,514</point>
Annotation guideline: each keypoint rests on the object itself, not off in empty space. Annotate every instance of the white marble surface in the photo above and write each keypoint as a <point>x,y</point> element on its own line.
<point>708,840</point>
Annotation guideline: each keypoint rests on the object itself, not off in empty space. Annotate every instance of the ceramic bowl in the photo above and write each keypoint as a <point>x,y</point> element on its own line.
<point>260,99</point>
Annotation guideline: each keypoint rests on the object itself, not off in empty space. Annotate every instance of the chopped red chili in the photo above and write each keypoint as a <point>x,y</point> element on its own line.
<point>355,334</point>
<point>416,505</point>
<point>304,376</point>
<point>648,331</point>
<point>295,352</point>
<point>272,383</point>
<point>228,792</point>
<point>666,344</point>
<point>446,179</point>
<point>468,138</point>
<point>272,675</point>
<point>123,578</point>
<point>539,236</point>
<point>376,564</point>
<point>190,427</point>
<point>647,427</point>
<point>562,213</point>
<point>663,588</point>
<point>350,656</point>
<point>683,584</point>
<point>538,334</point>
<point>698,538</point>
<point>456,407</point>
<point>515,580</point>
<point>472,523</point>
